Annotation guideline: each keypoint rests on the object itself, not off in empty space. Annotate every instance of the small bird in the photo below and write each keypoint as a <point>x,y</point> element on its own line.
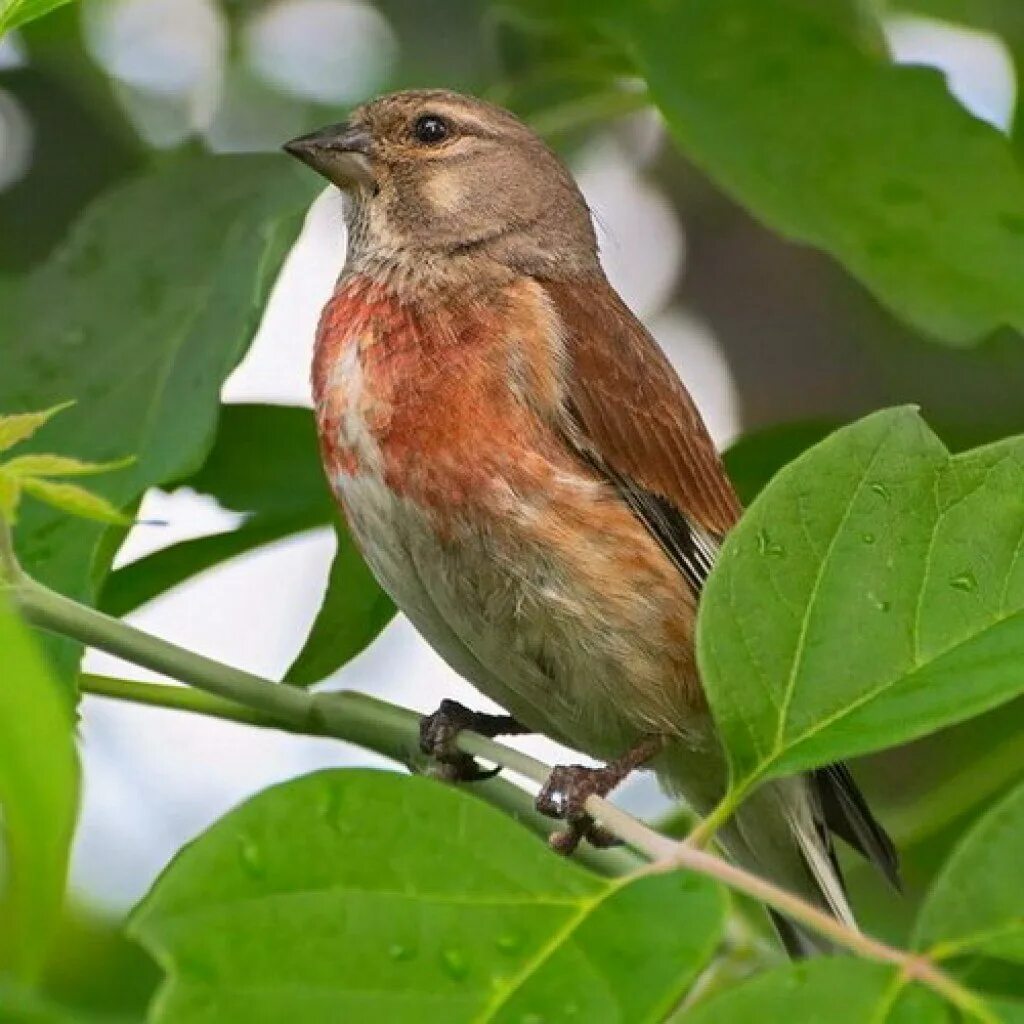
<point>528,478</point>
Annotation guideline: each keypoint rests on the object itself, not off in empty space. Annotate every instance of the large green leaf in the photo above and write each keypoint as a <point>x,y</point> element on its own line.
<point>794,108</point>
<point>977,903</point>
<point>15,13</point>
<point>873,593</point>
<point>830,991</point>
<point>38,797</point>
<point>367,896</point>
<point>141,315</point>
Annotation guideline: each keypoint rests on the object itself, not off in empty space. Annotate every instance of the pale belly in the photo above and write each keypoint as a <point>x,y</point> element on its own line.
<point>593,670</point>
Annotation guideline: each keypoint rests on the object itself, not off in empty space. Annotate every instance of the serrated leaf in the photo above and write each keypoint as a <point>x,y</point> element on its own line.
<point>976,905</point>
<point>190,251</point>
<point>367,896</point>
<point>38,797</point>
<point>76,501</point>
<point>837,991</point>
<point>878,534</point>
<point>18,427</point>
<point>794,108</point>
<point>61,465</point>
<point>15,13</point>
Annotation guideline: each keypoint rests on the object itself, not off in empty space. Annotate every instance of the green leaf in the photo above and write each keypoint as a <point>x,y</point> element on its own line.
<point>839,991</point>
<point>21,426</point>
<point>141,315</point>
<point>877,534</point>
<point>61,465</point>
<point>74,500</point>
<point>15,13</point>
<point>367,896</point>
<point>134,584</point>
<point>266,461</point>
<point>793,107</point>
<point>353,613</point>
<point>38,797</point>
<point>10,496</point>
<point>977,902</point>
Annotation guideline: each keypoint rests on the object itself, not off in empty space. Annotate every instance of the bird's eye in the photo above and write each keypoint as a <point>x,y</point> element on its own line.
<point>430,129</point>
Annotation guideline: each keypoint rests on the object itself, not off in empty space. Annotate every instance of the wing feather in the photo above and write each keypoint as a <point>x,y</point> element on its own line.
<point>631,417</point>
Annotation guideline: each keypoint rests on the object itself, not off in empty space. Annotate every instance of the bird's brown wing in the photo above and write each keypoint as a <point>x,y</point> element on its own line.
<point>629,415</point>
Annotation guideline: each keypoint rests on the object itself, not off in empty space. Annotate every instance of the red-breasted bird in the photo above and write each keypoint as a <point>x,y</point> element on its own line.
<point>529,479</point>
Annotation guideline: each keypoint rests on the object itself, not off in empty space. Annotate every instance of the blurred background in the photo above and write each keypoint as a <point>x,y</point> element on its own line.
<point>765,334</point>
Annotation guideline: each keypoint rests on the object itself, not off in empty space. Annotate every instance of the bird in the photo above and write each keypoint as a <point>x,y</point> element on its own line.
<point>529,479</point>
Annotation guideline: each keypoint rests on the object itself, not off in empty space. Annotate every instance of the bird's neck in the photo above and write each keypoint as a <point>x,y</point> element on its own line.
<point>419,270</point>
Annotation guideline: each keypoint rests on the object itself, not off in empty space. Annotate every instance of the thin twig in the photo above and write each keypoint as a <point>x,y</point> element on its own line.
<point>393,731</point>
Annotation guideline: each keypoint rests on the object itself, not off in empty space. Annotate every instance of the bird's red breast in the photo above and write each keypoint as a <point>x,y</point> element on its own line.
<point>447,396</point>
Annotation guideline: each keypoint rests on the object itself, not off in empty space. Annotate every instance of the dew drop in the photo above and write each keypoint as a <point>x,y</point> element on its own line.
<point>882,491</point>
<point>510,942</point>
<point>965,581</point>
<point>455,964</point>
<point>251,856</point>
<point>766,546</point>
<point>334,812</point>
<point>868,538</point>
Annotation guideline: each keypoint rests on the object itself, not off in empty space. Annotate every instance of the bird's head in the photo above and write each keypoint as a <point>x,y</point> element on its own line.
<point>432,173</point>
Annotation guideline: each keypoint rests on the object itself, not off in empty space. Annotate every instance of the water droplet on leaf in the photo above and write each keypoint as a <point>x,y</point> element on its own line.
<point>455,964</point>
<point>251,856</point>
<point>882,491</point>
<point>510,942</point>
<point>868,538</point>
<point>766,546</point>
<point>965,581</point>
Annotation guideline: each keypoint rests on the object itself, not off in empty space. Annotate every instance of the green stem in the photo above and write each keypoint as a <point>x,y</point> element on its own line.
<point>707,827</point>
<point>393,731</point>
<point>48,610</point>
<point>10,570</point>
<point>176,698</point>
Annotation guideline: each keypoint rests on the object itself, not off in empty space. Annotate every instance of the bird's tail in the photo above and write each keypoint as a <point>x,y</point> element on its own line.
<point>783,832</point>
<point>779,833</point>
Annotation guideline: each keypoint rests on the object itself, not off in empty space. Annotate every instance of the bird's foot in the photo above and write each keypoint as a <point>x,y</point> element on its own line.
<point>569,787</point>
<point>439,733</point>
<point>564,795</point>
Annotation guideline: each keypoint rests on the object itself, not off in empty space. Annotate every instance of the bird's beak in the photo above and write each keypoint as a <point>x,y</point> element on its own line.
<point>340,152</point>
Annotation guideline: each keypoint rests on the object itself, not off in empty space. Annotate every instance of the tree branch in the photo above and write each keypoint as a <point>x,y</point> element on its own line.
<point>393,731</point>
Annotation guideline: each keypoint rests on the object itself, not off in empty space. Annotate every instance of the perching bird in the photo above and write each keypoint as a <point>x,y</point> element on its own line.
<point>529,479</point>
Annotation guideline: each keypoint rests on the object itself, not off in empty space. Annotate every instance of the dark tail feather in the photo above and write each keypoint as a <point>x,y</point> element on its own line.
<point>799,944</point>
<point>847,814</point>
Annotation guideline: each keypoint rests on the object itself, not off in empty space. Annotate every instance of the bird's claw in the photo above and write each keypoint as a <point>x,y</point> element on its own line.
<point>438,735</point>
<point>564,795</point>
